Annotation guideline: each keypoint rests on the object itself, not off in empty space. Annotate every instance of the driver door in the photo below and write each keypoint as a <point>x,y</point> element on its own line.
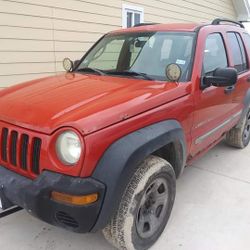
<point>213,104</point>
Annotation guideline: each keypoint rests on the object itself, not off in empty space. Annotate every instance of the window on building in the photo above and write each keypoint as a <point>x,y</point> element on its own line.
<point>238,51</point>
<point>131,15</point>
<point>214,54</point>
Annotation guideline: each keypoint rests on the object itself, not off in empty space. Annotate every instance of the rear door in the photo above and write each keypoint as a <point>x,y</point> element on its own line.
<point>240,61</point>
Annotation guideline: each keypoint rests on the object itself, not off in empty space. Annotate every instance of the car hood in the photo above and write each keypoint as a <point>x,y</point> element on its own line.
<point>86,102</point>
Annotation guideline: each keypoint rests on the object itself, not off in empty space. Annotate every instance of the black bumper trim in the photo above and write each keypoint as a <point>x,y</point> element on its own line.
<point>34,196</point>
<point>10,211</point>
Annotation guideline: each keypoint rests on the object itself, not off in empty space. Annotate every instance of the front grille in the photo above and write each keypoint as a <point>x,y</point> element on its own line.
<point>20,150</point>
<point>13,148</point>
<point>4,141</point>
<point>36,155</point>
<point>24,151</point>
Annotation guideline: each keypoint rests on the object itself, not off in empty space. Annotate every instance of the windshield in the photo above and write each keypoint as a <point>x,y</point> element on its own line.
<point>142,54</point>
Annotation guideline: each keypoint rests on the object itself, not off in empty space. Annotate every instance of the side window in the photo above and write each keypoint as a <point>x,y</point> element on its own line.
<point>243,52</point>
<point>247,41</point>
<point>236,46</point>
<point>214,54</point>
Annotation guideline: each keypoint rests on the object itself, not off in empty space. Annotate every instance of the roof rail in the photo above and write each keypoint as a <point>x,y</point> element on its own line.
<point>144,24</point>
<point>218,21</point>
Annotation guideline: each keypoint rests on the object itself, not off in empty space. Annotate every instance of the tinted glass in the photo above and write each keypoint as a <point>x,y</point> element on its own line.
<point>148,53</point>
<point>137,18</point>
<point>129,19</point>
<point>243,52</point>
<point>107,57</point>
<point>236,52</point>
<point>214,54</point>
<point>247,41</point>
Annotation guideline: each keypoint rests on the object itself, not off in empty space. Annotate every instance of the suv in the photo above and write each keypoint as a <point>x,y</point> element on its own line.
<point>101,146</point>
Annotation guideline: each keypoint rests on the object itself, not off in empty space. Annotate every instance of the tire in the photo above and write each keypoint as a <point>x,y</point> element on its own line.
<point>239,136</point>
<point>145,206</point>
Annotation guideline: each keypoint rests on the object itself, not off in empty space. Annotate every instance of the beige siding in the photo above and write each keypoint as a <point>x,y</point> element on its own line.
<point>36,35</point>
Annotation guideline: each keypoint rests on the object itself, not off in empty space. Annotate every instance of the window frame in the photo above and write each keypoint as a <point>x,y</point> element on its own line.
<point>246,47</point>
<point>225,47</point>
<point>135,10</point>
<point>242,47</point>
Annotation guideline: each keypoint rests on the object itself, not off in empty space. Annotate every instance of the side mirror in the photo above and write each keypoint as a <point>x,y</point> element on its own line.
<point>222,77</point>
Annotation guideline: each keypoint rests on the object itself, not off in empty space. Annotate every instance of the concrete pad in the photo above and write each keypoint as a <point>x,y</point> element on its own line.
<point>211,212</point>
<point>20,231</point>
<point>228,161</point>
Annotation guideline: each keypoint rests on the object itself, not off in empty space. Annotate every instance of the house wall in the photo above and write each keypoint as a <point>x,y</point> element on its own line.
<point>36,35</point>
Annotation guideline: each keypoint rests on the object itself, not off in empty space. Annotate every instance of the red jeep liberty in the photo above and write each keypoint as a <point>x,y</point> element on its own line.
<point>101,146</point>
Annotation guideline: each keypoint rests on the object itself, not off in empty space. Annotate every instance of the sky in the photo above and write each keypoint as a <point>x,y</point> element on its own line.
<point>247,26</point>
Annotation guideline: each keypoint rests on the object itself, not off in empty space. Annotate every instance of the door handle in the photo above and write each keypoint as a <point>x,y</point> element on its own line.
<point>229,90</point>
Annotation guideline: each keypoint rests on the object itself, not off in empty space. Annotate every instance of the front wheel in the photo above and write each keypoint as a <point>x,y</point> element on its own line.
<point>145,206</point>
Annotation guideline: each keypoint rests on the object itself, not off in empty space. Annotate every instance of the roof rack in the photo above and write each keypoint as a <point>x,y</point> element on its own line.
<point>218,21</point>
<point>144,24</point>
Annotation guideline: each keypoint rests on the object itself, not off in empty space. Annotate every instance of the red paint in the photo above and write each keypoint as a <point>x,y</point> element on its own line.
<point>102,109</point>
<point>161,27</point>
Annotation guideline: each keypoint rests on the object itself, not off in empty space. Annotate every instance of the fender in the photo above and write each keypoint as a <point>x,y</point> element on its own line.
<point>120,161</point>
<point>246,103</point>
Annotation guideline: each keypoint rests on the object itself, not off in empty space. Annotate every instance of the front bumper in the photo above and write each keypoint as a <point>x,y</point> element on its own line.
<point>34,196</point>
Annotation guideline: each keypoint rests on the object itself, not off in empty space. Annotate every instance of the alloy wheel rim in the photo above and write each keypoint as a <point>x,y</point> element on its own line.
<point>153,208</point>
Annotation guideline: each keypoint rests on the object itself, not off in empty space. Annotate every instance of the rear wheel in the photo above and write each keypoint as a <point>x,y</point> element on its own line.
<point>145,207</point>
<point>239,136</point>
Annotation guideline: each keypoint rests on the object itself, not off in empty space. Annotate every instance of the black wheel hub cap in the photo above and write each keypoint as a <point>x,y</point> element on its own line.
<point>246,133</point>
<point>152,208</point>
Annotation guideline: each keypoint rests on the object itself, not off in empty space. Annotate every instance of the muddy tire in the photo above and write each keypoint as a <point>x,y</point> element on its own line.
<point>239,136</point>
<point>145,206</point>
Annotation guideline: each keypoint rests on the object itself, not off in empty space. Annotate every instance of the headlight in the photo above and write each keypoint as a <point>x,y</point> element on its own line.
<point>69,148</point>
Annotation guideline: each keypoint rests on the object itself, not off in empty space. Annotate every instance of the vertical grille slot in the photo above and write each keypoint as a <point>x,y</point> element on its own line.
<point>13,148</point>
<point>4,143</point>
<point>37,142</point>
<point>24,152</point>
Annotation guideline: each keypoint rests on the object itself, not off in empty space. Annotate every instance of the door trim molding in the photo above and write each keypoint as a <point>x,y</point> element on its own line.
<point>214,130</point>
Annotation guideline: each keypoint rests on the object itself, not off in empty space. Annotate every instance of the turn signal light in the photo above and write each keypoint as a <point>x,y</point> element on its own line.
<point>74,200</point>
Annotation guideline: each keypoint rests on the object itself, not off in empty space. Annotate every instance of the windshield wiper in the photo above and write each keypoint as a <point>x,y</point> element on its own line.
<point>130,73</point>
<point>88,69</point>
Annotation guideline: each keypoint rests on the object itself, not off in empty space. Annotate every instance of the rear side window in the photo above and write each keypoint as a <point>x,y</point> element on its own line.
<point>243,51</point>
<point>214,54</point>
<point>247,40</point>
<point>238,51</point>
